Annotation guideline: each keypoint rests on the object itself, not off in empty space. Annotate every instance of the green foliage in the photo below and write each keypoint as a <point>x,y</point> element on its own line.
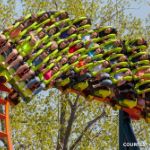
<point>48,122</point>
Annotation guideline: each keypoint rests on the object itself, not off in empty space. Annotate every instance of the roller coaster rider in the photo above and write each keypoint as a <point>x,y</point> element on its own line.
<point>72,29</point>
<point>107,31</point>
<point>44,54</point>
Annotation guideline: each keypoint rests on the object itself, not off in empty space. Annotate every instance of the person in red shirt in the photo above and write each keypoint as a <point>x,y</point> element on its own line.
<point>84,62</point>
<point>15,32</point>
<point>76,47</point>
<point>51,72</point>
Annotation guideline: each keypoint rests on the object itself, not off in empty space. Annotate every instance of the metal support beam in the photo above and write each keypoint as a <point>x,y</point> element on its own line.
<point>127,138</point>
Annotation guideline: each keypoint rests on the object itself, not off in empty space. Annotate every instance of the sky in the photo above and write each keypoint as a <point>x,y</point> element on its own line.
<point>142,10</point>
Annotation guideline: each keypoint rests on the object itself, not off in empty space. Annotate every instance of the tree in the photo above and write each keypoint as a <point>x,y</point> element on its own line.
<point>68,121</point>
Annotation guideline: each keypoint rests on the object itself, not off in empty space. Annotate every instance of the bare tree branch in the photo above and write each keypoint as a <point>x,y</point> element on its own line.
<point>70,122</point>
<point>89,124</point>
<point>70,103</point>
<point>62,121</point>
<point>76,101</point>
<point>56,6</point>
<point>105,19</point>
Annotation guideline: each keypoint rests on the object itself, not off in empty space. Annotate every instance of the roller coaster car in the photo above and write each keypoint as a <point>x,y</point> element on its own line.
<point>17,35</point>
<point>46,48</point>
<point>51,17</point>
<point>63,23</point>
<point>26,24</point>
<point>120,78</point>
<point>101,40</point>
<point>81,82</point>
<point>81,86</point>
<point>5,73</point>
<point>126,97</point>
<point>88,96</point>
<point>63,49</point>
<point>82,21</point>
<point>66,78</point>
<point>135,50</point>
<point>143,87</point>
<point>14,97</point>
<point>60,26</point>
<point>50,56</point>
<point>138,57</point>
<point>120,65</point>
<point>103,92</point>
<point>49,67</point>
<point>128,102</point>
<point>100,88</point>
<point>16,25</point>
<point>29,35</point>
<point>136,43</point>
<point>139,64</point>
<point>26,94</point>
<point>63,69</point>
<point>64,82</point>
<point>3,87</point>
<point>27,47</point>
<point>142,72</point>
<point>14,81</point>
<point>121,75</point>
<point>116,58</point>
<point>85,35</point>
<point>134,113</point>
<point>52,31</point>
<point>87,26</point>
<point>75,46</point>
<point>61,15</point>
<point>29,23</point>
<point>103,88</point>
<point>111,46</point>
<point>67,31</point>
<point>105,31</point>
